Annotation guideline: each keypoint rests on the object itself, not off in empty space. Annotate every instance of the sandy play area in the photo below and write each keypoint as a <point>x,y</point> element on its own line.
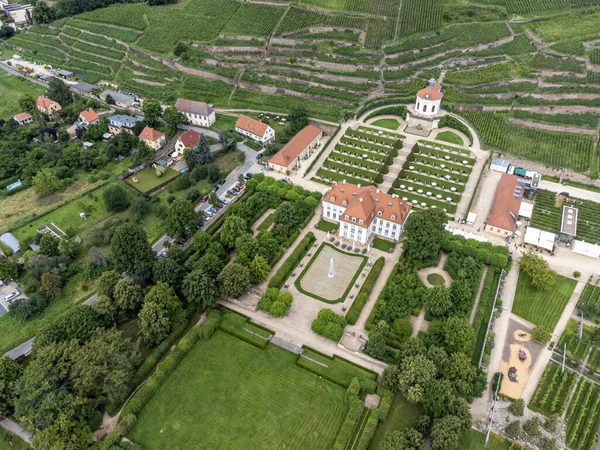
<point>518,339</point>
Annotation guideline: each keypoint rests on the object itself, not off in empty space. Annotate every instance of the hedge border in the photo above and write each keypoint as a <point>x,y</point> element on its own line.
<point>322,150</point>
<point>297,283</point>
<point>359,304</point>
<point>336,357</point>
<point>281,276</point>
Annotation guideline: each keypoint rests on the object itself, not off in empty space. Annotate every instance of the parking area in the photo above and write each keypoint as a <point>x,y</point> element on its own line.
<point>9,293</point>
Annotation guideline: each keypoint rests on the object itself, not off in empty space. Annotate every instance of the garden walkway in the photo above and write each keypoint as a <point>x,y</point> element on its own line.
<point>13,427</point>
<point>478,298</point>
<point>439,270</point>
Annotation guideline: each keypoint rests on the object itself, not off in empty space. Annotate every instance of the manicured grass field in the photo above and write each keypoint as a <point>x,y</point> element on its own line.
<point>449,136</point>
<point>12,88</point>
<point>474,440</point>
<point>15,444</point>
<point>435,279</point>
<point>148,180</point>
<point>230,394</point>
<point>265,224</point>
<point>402,415</point>
<point>390,124</point>
<point>323,225</point>
<point>542,307</point>
<point>383,245</point>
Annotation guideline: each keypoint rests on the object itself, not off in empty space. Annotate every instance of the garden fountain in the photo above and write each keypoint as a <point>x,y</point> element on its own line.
<point>330,274</point>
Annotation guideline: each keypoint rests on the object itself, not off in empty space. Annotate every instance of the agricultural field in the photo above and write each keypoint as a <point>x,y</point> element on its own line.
<point>434,175</point>
<point>576,348</point>
<point>260,395</point>
<point>12,88</point>
<point>583,416</point>
<point>553,390</point>
<point>542,308</point>
<point>590,301</point>
<point>547,215</point>
<point>361,157</point>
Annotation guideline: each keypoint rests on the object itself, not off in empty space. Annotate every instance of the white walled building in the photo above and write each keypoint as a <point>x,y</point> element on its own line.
<point>429,99</point>
<point>197,113</point>
<point>254,129</point>
<point>365,211</point>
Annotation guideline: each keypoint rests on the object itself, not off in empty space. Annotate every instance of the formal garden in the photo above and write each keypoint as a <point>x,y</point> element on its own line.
<point>434,176</point>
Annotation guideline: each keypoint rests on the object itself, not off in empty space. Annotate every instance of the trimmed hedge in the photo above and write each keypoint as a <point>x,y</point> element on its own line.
<point>399,110</point>
<point>125,425</point>
<point>368,432</point>
<point>493,255</point>
<point>329,324</point>
<point>365,291</point>
<point>292,262</point>
<point>451,122</point>
<point>347,430</point>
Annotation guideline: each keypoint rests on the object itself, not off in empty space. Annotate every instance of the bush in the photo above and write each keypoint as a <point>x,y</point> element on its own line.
<point>346,431</point>
<point>532,426</point>
<point>329,324</point>
<point>211,325</point>
<point>292,262</point>
<point>192,195</point>
<point>541,334</point>
<point>517,407</point>
<point>513,430</point>
<point>577,274</point>
<point>365,291</point>
<point>551,423</point>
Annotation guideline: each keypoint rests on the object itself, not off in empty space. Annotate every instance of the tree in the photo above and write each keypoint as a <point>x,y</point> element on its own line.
<point>213,173</point>
<point>437,301</point>
<point>415,374</point>
<point>551,423</point>
<point>173,118</point>
<point>45,182</point>
<point>200,290</point>
<point>115,198</point>
<point>49,245</point>
<point>66,433</point>
<point>27,102</point>
<point>110,100</point>
<point>268,247</point>
<point>106,308</point>
<point>107,282</point>
<point>541,334</point>
<point>152,112</point>
<point>287,216</point>
<point>209,263</point>
<point>128,295</point>
<point>542,276</point>
<point>438,396</point>
<point>233,227</point>
<point>549,444</point>
<point>131,251</point>
<point>532,426</point>
<point>513,429</point>
<point>376,346</point>
<point>213,199</point>
<point>59,92</point>
<point>459,335</point>
<point>246,247</point>
<point>445,433</point>
<point>8,269</point>
<point>200,154</point>
<point>517,407</point>
<point>51,284</point>
<point>181,219</point>
<point>297,119</point>
<point>10,372</point>
<point>424,233</point>
<point>259,269</point>
<point>461,372</point>
<point>407,439</point>
<point>140,206</point>
<point>234,280</point>
<point>169,271</point>
<point>6,31</point>
<point>143,153</point>
<point>160,313</point>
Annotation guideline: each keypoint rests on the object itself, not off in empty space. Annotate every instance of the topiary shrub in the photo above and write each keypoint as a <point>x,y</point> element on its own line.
<point>517,407</point>
<point>532,426</point>
<point>513,430</point>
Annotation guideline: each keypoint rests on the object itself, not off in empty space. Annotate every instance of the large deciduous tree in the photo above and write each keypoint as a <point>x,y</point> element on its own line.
<point>131,251</point>
<point>259,269</point>
<point>234,280</point>
<point>415,375</point>
<point>152,112</point>
<point>10,371</point>
<point>200,290</point>
<point>115,198</point>
<point>181,219</point>
<point>437,301</point>
<point>424,234</point>
<point>128,295</point>
<point>459,335</point>
<point>160,314</point>
<point>45,182</point>
<point>233,227</point>
<point>542,276</point>
<point>173,118</point>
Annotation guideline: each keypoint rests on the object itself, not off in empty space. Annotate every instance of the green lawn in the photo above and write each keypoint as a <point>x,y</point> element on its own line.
<point>324,225</point>
<point>67,216</point>
<point>542,307</point>
<point>148,180</point>
<point>474,440</point>
<point>449,136</point>
<point>435,279</point>
<point>230,394</point>
<point>383,245</point>
<point>390,124</point>
<point>402,415</point>
<point>265,224</point>
<point>12,88</point>
<point>15,444</point>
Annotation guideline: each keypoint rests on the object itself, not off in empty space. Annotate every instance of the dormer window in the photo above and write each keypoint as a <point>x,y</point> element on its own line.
<point>346,216</point>
<point>361,222</point>
<point>342,190</point>
<point>344,203</point>
<point>393,217</point>
<point>332,199</point>
<point>354,219</point>
<point>354,194</point>
<point>379,213</point>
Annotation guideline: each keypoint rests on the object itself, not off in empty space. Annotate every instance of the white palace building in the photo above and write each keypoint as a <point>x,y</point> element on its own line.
<point>365,211</point>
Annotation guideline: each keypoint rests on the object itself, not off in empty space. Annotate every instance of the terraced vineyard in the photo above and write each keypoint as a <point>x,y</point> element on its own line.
<point>553,390</point>
<point>583,417</point>
<point>434,175</point>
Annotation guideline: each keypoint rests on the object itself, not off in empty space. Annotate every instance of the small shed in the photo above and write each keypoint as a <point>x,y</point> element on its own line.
<point>525,210</point>
<point>471,218</point>
<point>499,165</point>
<point>135,167</point>
<point>586,249</point>
<point>65,74</point>
<point>11,242</point>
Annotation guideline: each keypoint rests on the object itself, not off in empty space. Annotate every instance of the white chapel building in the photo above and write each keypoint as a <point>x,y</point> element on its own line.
<point>365,211</point>
<point>429,99</point>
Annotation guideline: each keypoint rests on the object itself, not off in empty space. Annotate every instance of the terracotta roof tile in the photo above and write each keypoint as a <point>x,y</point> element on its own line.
<point>150,134</point>
<point>506,203</point>
<point>434,93</point>
<point>251,125</point>
<point>22,116</point>
<point>89,115</point>
<point>189,139</point>
<point>296,145</point>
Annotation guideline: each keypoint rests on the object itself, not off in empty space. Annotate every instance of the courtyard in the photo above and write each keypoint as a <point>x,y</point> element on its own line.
<point>315,279</point>
<point>228,393</point>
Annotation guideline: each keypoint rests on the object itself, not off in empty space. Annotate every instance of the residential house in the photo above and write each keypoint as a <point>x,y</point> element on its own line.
<point>121,122</point>
<point>83,88</point>
<point>121,100</point>
<point>189,139</point>
<point>47,106</point>
<point>363,212</point>
<point>155,139</point>
<point>20,14</point>
<point>89,117</point>
<point>197,113</point>
<point>254,129</point>
<point>23,118</point>
<point>298,148</point>
<point>505,210</point>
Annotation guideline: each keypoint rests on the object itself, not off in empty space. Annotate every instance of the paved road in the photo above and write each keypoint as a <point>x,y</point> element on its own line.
<point>14,428</point>
<point>573,191</point>
<point>12,71</point>
<point>232,112</point>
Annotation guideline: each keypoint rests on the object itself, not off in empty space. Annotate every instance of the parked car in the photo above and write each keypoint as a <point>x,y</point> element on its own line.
<point>222,200</point>
<point>214,189</point>
<point>222,182</point>
<point>239,186</point>
<point>249,175</point>
<point>205,198</point>
<point>200,225</point>
<point>213,210</point>
<point>564,194</point>
<point>260,155</point>
<point>232,193</point>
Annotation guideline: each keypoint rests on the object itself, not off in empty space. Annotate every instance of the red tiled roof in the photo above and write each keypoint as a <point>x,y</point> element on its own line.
<point>251,125</point>
<point>22,116</point>
<point>150,134</point>
<point>506,203</point>
<point>189,139</point>
<point>89,115</point>
<point>434,93</point>
<point>368,202</point>
<point>43,102</point>
<point>297,145</point>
